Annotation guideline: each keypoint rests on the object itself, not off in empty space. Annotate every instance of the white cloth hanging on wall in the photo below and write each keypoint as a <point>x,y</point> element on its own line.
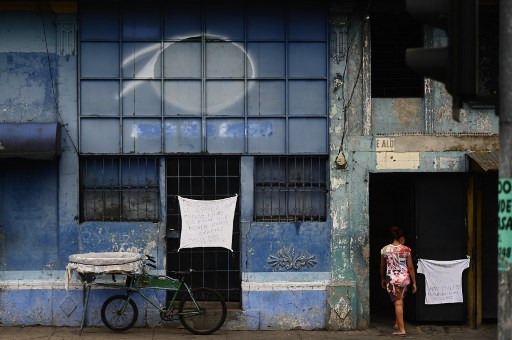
<point>443,280</point>
<point>207,223</point>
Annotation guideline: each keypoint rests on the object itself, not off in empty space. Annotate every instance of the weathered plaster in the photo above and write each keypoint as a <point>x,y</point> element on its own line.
<point>409,111</point>
<point>462,143</point>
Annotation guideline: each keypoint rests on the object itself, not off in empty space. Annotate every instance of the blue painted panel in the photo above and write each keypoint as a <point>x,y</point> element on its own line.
<point>308,97</point>
<point>141,98</point>
<point>99,25</point>
<point>308,135</point>
<point>25,307</point>
<point>100,136</point>
<point>119,236</point>
<point>26,87</point>
<point>225,97</point>
<point>307,22</point>
<point>265,23</point>
<point>225,135</point>
<point>99,98</point>
<point>141,23</point>
<point>182,21</point>
<point>68,243</point>
<point>141,60</point>
<point>182,97</point>
<point>182,60</point>
<point>307,60</point>
<point>182,135</point>
<point>286,247</point>
<point>225,22</point>
<point>142,135</point>
<point>266,59</point>
<point>266,97</point>
<point>224,60</point>
<point>99,59</point>
<point>304,309</point>
<point>266,136</point>
<point>58,307</point>
<point>28,215</point>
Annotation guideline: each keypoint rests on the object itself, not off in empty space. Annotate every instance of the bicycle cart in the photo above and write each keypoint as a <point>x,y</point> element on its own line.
<point>200,311</point>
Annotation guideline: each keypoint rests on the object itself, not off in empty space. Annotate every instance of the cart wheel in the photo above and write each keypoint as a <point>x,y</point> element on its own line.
<point>111,313</point>
<point>209,317</point>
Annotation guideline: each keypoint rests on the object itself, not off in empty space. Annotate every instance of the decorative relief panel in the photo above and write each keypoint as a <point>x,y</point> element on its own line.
<point>290,259</point>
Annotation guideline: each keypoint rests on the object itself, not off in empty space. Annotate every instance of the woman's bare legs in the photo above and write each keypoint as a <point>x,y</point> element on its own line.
<point>399,314</point>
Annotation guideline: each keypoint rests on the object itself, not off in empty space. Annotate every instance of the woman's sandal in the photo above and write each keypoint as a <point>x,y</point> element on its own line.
<point>399,334</point>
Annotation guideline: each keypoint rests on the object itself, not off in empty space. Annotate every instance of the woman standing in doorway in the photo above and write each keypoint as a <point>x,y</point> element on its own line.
<point>396,273</point>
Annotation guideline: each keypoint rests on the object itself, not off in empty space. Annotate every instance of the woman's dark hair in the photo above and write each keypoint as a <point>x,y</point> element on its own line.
<point>396,232</point>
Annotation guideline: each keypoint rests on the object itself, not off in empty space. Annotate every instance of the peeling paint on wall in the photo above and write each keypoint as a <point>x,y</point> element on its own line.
<point>336,182</point>
<point>409,112</point>
<point>398,160</point>
<point>447,163</point>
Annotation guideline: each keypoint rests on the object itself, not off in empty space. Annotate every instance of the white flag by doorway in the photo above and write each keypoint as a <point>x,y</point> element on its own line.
<point>207,223</point>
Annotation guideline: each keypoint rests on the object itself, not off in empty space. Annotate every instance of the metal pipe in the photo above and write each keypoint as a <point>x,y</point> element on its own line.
<point>505,169</point>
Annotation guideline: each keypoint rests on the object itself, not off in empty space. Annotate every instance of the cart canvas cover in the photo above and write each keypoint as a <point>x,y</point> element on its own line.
<point>105,263</point>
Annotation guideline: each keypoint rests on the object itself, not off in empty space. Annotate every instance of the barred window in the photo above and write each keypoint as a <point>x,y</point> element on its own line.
<point>392,31</point>
<point>119,189</point>
<point>290,189</point>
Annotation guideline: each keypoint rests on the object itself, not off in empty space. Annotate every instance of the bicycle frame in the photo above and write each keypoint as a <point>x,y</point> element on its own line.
<point>201,310</point>
<point>158,282</point>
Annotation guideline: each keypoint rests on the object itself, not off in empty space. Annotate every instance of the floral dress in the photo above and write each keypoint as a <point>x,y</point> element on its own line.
<point>397,273</point>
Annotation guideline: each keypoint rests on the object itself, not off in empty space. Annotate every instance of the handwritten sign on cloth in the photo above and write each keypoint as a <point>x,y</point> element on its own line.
<point>207,223</point>
<point>443,280</point>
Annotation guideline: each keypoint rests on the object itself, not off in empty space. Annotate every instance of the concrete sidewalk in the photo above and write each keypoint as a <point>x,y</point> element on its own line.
<point>485,332</point>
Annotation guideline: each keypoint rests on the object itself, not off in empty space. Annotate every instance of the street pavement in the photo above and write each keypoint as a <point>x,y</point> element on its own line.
<point>380,331</point>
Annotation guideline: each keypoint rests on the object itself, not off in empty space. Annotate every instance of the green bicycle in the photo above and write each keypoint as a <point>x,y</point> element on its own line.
<point>201,311</point>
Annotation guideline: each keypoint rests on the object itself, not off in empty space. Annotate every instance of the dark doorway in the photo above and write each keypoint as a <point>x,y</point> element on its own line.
<point>432,210</point>
<point>204,178</point>
<point>489,245</point>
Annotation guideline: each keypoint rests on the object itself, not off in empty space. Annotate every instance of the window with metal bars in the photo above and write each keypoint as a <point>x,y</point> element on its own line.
<point>119,189</point>
<point>290,189</point>
<point>392,31</point>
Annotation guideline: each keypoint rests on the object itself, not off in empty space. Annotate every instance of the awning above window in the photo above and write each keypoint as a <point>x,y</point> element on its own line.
<point>30,140</point>
<point>484,160</point>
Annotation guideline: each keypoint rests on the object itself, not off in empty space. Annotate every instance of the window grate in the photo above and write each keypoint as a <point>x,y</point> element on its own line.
<point>290,189</point>
<point>204,178</point>
<point>392,31</point>
<point>119,189</point>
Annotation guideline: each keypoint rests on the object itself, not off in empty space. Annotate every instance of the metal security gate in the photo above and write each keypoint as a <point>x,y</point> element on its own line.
<point>204,178</point>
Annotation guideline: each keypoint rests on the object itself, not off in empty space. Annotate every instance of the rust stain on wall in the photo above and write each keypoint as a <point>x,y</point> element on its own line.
<point>408,111</point>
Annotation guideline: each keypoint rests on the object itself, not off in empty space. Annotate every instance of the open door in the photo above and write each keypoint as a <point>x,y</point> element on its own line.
<point>432,211</point>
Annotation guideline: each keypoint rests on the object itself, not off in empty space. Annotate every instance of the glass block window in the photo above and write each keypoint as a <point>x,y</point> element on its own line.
<point>290,189</point>
<point>119,189</point>
<point>221,78</point>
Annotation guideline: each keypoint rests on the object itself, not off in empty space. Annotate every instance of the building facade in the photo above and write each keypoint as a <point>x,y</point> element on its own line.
<point>111,110</point>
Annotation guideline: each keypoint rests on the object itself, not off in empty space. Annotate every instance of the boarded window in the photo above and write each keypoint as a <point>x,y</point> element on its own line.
<point>119,189</point>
